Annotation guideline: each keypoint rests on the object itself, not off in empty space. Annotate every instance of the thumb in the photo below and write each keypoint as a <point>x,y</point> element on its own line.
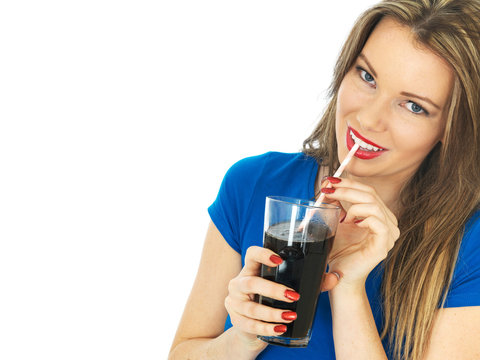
<point>330,280</point>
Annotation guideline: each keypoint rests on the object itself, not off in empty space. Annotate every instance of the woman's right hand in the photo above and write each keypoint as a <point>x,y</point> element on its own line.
<point>248,317</point>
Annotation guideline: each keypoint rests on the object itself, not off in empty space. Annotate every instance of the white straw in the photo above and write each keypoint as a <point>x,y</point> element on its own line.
<point>293,220</point>
<point>339,171</point>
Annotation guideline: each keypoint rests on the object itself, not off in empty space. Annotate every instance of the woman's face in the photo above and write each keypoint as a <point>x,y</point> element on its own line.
<point>393,102</point>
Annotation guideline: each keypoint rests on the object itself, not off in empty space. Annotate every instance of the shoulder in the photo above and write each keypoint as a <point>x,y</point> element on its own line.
<point>240,201</point>
<point>249,178</point>
<point>471,237</point>
<point>472,227</point>
<point>465,286</point>
<point>268,165</point>
<point>273,158</point>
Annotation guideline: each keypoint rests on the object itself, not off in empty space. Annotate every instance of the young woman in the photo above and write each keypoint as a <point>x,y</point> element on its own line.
<point>404,280</point>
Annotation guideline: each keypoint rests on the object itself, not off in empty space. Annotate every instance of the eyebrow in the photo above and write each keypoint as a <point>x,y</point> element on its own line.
<point>421,98</point>
<point>404,93</point>
<point>370,67</point>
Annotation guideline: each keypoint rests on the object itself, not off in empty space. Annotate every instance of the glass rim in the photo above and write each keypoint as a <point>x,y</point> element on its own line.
<point>303,202</point>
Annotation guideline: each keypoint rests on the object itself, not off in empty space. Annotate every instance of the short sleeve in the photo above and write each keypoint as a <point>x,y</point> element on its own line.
<point>229,209</point>
<point>465,287</point>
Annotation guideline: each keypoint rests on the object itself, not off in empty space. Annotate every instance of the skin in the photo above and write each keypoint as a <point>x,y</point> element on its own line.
<point>376,107</point>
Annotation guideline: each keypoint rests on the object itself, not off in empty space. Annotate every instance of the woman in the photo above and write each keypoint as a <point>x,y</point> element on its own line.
<point>404,277</point>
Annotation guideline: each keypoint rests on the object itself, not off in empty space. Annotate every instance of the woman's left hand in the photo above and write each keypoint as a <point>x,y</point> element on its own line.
<point>366,234</point>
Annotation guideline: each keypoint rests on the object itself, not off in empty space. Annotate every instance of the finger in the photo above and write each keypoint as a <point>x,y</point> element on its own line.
<point>256,327</point>
<point>330,280</point>
<point>347,183</point>
<point>351,195</point>
<point>362,211</point>
<point>254,310</point>
<point>327,183</point>
<point>359,212</point>
<point>355,196</point>
<point>256,256</point>
<point>352,184</point>
<point>343,213</point>
<point>257,285</point>
<point>379,228</point>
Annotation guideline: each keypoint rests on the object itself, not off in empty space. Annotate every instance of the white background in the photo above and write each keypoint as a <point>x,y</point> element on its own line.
<point>118,120</point>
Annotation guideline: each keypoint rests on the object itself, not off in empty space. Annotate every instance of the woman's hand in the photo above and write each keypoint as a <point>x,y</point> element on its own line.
<point>365,235</point>
<point>248,317</point>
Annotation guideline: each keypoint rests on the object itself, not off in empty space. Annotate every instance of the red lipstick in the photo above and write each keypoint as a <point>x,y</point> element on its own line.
<point>363,153</point>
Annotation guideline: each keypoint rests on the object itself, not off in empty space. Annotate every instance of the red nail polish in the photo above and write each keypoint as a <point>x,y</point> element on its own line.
<point>327,190</point>
<point>289,315</point>
<point>280,328</point>
<point>334,180</point>
<point>343,218</point>
<point>292,295</point>
<point>358,221</point>
<point>276,259</point>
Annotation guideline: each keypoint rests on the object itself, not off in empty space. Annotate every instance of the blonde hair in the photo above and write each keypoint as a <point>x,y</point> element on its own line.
<point>445,190</point>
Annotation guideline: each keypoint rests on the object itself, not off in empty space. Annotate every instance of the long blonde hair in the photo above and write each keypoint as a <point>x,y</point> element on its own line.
<point>445,191</point>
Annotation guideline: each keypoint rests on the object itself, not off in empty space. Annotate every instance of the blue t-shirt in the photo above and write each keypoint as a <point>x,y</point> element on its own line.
<point>238,213</point>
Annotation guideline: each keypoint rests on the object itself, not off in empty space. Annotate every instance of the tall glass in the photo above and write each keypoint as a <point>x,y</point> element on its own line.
<point>302,234</point>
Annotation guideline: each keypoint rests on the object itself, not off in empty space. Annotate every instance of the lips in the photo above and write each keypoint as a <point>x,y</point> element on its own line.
<point>368,149</point>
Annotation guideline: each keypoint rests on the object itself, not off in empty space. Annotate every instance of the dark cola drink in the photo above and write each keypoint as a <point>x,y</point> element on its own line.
<point>303,268</point>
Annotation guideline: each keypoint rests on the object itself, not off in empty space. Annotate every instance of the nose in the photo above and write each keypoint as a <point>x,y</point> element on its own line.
<point>373,115</point>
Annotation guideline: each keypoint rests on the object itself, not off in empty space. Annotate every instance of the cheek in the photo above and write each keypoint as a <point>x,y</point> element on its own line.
<point>344,106</point>
<point>351,98</point>
<point>417,141</point>
<point>344,99</point>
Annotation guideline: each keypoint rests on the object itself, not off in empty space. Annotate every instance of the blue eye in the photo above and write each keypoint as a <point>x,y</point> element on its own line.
<point>365,76</point>
<point>415,108</point>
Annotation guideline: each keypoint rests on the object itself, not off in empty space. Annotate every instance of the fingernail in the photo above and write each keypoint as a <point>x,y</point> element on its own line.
<point>276,259</point>
<point>280,328</point>
<point>334,180</point>
<point>327,190</point>
<point>336,274</point>
<point>292,295</point>
<point>289,315</point>
<point>343,218</point>
<point>358,221</point>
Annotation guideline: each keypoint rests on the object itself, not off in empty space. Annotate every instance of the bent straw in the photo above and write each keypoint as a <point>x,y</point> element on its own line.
<point>339,172</point>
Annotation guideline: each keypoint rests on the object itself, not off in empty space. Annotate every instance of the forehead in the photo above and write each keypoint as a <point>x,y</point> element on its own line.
<point>403,64</point>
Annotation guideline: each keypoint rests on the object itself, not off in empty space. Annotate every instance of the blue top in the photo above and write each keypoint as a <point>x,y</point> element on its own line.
<point>238,213</point>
